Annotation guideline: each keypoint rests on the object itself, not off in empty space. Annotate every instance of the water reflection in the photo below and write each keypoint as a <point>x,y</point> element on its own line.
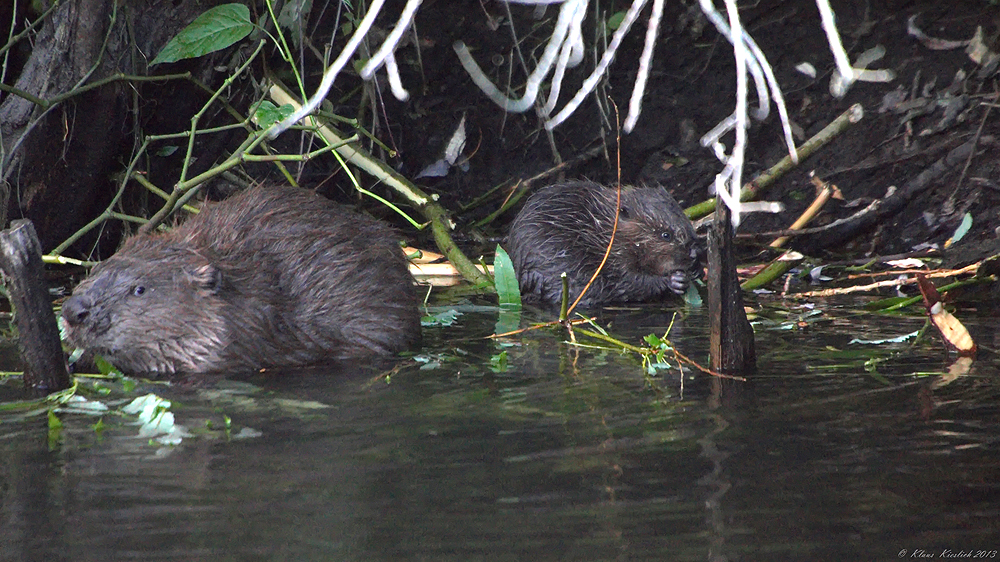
<point>570,454</point>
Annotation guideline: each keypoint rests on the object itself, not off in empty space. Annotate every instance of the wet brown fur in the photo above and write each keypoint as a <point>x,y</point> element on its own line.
<point>567,227</point>
<point>271,277</point>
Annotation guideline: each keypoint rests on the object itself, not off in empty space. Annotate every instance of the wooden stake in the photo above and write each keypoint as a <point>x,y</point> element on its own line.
<point>731,340</point>
<point>38,337</point>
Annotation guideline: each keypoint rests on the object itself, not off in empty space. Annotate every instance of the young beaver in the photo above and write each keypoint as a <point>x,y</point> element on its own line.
<point>274,276</point>
<point>567,227</point>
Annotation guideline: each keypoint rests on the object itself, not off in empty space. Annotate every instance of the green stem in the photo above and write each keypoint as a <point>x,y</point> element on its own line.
<point>942,289</point>
<point>773,271</point>
<point>613,341</point>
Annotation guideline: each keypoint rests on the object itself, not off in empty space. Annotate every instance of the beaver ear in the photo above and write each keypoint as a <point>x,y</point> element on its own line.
<point>206,277</point>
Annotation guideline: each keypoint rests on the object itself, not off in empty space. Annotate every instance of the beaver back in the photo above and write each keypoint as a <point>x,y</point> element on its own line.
<point>567,228</point>
<point>272,276</point>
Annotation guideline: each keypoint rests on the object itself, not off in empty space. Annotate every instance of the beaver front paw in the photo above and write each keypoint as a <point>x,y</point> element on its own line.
<point>679,281</point>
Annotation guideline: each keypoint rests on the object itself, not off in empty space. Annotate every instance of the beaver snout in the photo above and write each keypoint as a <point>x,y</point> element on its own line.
<point>76,309</point>
<point>271,277</point>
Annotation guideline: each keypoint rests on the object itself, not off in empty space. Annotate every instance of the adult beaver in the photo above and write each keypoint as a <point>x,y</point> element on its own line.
<point>274,276</point>
<point>566,228</point>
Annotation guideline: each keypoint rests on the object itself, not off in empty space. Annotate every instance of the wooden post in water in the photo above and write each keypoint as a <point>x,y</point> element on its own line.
<point>37,335</point>
<point>731,341</point>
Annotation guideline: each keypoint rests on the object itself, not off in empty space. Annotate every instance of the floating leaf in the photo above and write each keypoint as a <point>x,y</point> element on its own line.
<point>444,318</point>
<point>55,431</point>
<point>897,339</point>
<point>77,404</point>
<point>498,363</point>
<point>147,407</point>
<point>214,30</point>
<point>290,404</point>
<point>156,422</point>
<point>952,330</point>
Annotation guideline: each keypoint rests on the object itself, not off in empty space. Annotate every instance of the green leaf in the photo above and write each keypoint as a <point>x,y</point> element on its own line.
<point>652,340</point>
<point>216,29</point>
<point>509,319</point>
<point>498,363</point>
<point>106,368</point>
<point>268,114</point>
<point>896,339</point>
<point>692,296</point>
<point>55,431</point>
<point>615,21</point>
<point>962,229</point>
<point>444,318</point>
<point>505,279</point>
<point>156,422</point>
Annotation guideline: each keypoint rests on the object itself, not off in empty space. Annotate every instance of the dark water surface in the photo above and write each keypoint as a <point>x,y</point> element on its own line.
<point>836,451</point>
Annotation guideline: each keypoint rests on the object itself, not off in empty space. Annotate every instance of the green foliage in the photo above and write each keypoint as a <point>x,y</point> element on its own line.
<point>156,420</point>
<point>444,318</point>
<point>615,21</point>
<point>505,282</point>
<point>216,29</point>
<point>268,114</point>
<point>962,229</point>
<point>505,279</point>
<point>55,430</point>
<point>692,296</point>
<point>657,360</point>
<point>498,363</point>
<point>106,368</point>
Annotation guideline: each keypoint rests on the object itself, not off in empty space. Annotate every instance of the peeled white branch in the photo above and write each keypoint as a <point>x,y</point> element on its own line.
<point>652,30</point>
<point>591,82</point>
<point>758,64</point>
<point>384,54</point>
<point>331,73</point>
<point>556,43</point>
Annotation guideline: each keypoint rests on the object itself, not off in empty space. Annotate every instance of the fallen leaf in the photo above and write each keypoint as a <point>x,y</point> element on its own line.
<point>952,330</point>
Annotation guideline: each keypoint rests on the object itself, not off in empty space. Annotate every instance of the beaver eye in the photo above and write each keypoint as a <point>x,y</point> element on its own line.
<point>138,290</point>
<point>667,235</point>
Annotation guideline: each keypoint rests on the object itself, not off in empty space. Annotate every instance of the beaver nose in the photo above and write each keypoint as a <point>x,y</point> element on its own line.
<point>76,309</point>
